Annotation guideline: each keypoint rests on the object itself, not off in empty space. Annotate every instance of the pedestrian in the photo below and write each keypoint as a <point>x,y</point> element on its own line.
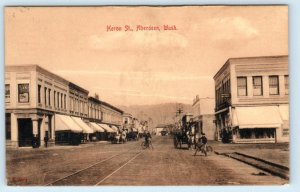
<point>46,139</point>
<point>202,143</point>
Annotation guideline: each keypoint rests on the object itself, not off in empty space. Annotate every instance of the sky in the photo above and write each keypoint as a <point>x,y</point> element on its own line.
<point>142,67</point>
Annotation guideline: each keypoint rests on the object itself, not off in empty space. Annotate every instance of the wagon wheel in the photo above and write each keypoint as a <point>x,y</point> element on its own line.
<point>209,149</point>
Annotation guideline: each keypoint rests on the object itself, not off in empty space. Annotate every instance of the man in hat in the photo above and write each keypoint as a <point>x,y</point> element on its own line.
<point>202,143</point>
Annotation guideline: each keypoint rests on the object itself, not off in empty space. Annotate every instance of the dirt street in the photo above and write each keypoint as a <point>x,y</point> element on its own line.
<point>129,164</point>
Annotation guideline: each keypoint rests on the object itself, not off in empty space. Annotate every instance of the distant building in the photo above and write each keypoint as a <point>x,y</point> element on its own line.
<point>252,100</point>
<point>203,116</point>
<point>128,123</point>
<point>161,130</point>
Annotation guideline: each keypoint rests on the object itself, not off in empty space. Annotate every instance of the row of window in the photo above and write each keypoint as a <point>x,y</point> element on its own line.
<point>257,84</point>
<point>59,99</point>
<point>78,106</point>
<point>223,89</point>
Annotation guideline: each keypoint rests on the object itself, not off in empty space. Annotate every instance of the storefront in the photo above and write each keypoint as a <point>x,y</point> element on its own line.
<point>264,124</point>
<point>67,131</point>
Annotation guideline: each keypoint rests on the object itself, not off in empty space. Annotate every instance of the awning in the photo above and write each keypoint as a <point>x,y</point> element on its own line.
<point>107,128</point>
<point>96,127</point>
<point>83,125</point>
<point>66,123</point>
<point>284,112</point>
<point>115,128</point>
<point>285,115</point>
<point>256,117</point>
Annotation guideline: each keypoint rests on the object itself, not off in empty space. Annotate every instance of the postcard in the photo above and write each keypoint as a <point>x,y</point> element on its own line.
<point>147,95</point>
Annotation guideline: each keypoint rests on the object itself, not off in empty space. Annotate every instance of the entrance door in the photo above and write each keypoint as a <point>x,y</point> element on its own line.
<point>25,132</point>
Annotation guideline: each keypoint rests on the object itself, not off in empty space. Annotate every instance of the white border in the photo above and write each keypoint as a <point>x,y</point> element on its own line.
<point>294,54</point>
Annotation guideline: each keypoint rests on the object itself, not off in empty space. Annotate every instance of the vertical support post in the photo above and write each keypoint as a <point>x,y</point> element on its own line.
<point>14,130</point>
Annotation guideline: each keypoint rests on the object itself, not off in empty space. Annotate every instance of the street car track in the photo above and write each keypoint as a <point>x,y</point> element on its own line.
<point>84,169</point>
<point>101,181</point>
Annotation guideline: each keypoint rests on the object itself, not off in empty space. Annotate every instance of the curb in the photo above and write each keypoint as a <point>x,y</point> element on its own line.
<point>272,168</point>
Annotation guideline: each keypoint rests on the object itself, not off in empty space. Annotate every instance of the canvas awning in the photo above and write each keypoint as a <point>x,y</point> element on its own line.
<point>256,117</point>
<point>83,125</point>
<point>115,128</point>
<point>107,128</point>
<point>96,127</point>
<point>66,123</point>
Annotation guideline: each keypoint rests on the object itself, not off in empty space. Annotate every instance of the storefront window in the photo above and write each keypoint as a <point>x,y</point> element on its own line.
<point>242,86</point>
<point>7,93</point>
<point>23,93</point>
<point>8,125</point>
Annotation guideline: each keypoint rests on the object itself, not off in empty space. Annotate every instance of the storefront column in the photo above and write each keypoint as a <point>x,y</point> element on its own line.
<point>35,125</point>
<point>42,129</point>
<point>52,127</point>
<point>14,130</point>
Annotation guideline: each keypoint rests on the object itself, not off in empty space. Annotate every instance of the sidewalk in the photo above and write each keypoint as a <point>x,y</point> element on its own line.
<point>277,153</point>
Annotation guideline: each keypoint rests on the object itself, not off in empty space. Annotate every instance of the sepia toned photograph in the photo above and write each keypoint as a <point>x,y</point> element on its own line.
<point>147,96</point>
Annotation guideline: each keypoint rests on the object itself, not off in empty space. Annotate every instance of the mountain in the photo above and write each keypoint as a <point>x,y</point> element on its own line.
<point>156,114</point>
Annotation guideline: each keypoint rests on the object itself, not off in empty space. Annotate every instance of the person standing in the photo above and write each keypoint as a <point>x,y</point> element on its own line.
<point>46,139</point>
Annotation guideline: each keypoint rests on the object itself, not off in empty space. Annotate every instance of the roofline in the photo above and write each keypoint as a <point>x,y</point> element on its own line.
<point>39,68</point>
<point>253,57</point>
<point>241,58</point>
<point>111,106</point>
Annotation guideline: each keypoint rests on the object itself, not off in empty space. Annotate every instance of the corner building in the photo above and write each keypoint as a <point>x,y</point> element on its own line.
<point>32,96</point>
<point>252,100</point>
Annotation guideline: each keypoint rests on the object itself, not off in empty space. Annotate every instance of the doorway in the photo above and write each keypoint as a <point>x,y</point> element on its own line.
<point>25,132</point>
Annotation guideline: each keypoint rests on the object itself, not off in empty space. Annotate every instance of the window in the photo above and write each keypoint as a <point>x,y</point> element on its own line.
<point>65,101</point>
<point>54,98</point>
<point>45,94</point>
<point>49,95</point>
<point>7,93</point>
<point>8,126</point>
<point>286,84</point>
<point>39,93</point>
<point>242,86</point>
<point>23,93</point>
<point>57,99</point>
<point>257,86</point>
<point>61,100</point>
<point>274,85</point>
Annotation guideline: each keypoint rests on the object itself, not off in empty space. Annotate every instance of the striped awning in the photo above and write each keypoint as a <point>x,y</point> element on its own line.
<point>96,127</point>
<point>66,123</point>
<point>107,128</point>
<point>83,125</point>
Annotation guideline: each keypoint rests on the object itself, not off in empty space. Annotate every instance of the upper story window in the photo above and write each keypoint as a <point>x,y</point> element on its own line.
<point>57,99</point>
<point>65,101</point>
<point>23,93</point>
<point>7,93</point>
<point>39,93</point>
<point>286,84</point>
<point>61,100</point>
<point>49,97</point>
<point>242,86</point>
<point>54,100</point>
<point>45,94</point>
<point>274,85</point>
<point>257,86</point>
